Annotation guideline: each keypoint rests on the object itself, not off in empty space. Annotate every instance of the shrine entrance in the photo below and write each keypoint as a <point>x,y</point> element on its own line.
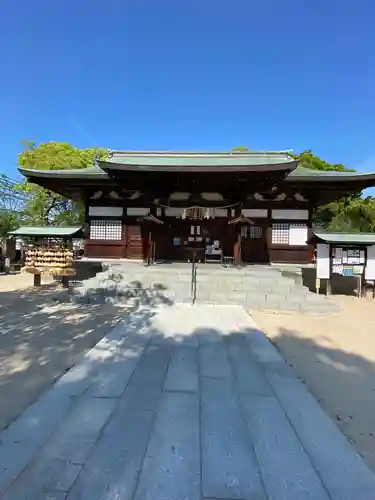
<point>208,238</point>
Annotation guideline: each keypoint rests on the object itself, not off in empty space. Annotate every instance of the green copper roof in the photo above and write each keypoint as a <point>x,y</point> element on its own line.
<point>78,173</point>
<point>147,161</point>
<point>301,172</point>
<point>346,238</point>
<point>45,231</point>
<point>192,159</point>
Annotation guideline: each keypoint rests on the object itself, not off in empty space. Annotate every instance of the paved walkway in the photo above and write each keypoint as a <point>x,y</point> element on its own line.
<point>180,403</point>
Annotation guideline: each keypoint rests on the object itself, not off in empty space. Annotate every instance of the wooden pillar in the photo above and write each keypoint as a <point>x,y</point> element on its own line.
<point>309,233</point>
<point>124,232</point>
<point>147,243</point>
<point>237,239</point>
<point>239,244</point>
<point>269,234</point>
<point>37,280</point>
<point>86,227</point>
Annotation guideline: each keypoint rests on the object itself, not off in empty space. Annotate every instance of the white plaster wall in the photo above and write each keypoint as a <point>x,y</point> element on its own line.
<point>289,214</point>
<point>106,211</point>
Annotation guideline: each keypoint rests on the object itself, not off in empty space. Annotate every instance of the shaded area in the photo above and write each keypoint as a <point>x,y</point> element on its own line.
<point>335,357</point>
<point>115,290</point>
<point>340,285</point>
<point>40,339</point>
<point>181,402</point>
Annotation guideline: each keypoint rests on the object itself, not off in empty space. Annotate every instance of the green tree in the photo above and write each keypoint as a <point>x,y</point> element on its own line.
<point>45,207</point>
<point>352,213</point>
<point>12,205</point>
<point>357,215</point>
<point>8,222</point>
<point>240,149</point>
<point>308,160</point>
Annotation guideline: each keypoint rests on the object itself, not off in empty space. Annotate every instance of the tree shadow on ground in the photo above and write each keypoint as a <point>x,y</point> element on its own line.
<point>342,382</point>
<point>139,333</point>
<point>40,339</point>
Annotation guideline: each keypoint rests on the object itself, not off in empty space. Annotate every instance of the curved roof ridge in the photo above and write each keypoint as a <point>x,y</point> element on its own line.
<point>197,153</point>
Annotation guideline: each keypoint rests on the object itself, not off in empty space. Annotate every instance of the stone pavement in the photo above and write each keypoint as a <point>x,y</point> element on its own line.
<point>180,403</point>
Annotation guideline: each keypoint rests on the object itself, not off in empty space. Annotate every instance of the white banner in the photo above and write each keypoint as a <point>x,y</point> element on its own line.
<point>370,266</point>
<point>322,261</point>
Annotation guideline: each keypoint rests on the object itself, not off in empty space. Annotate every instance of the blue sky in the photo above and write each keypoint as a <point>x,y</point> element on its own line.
<point>190,75</point>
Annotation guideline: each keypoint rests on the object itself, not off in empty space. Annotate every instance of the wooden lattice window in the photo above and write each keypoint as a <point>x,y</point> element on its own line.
<point>105,229</point>
<point>255,232</point>
<point>280,234</point>
<point>293,234</point>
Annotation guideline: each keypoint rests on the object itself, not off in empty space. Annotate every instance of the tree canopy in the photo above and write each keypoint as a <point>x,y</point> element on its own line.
<point>354,213</point>
<point>44,207</point>
<point>308,160</point>
<point>12,203</point>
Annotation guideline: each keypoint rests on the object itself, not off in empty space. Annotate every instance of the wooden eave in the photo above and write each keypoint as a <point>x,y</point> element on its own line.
<point>70,187</point>
<point>331,178</point>
<point>328,189</point>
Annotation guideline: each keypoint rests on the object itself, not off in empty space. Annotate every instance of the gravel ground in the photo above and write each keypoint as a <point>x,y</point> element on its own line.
<point>335,356</point>
<point>40,339</point>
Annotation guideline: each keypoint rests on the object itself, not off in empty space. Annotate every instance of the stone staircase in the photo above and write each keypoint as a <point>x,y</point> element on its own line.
<point>254,287</point>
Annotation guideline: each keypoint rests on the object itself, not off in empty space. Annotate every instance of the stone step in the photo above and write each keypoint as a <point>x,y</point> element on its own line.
<point>173,273</point>
<point>252,303</point>
<point>255,288</point>
<point>212,287</point>
<point>214,283</point>
<point>145,277</point>
<point>217,271</point>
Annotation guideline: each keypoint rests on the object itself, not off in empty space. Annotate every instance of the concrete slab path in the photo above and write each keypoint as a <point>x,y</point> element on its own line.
<point>180,403</point>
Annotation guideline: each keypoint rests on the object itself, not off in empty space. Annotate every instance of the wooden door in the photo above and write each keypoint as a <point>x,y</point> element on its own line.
<point>159,238</point>
<point>254,245</point>
<point>134,241</point>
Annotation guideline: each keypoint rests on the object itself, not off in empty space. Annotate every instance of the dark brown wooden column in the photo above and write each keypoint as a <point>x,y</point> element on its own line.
<point>269,233</point>
<point>86,226</point>
<point>123,241</point>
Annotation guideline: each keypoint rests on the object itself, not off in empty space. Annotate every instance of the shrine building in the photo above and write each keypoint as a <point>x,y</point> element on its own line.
<point>256,206</point>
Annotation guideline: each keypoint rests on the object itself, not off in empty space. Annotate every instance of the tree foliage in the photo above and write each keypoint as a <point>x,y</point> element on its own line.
<point>308,160</point>
<point>353,213</point>
<point>44,207</point>
<point>12,204</point>
<point>8,222</point>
